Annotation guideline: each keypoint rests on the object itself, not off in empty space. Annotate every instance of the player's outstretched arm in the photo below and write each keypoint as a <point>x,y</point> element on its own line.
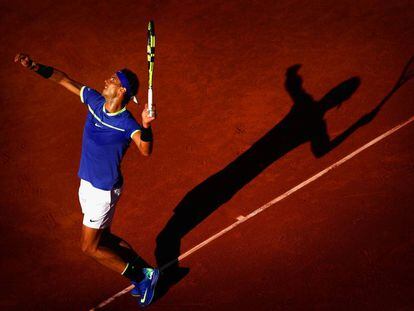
<point>49,73</point>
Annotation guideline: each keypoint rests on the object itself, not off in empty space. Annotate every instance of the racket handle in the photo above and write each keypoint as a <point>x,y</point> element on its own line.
<point>151,112</point>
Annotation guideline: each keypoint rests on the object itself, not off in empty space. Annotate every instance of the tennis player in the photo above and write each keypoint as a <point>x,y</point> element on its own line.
<point>108,131</point>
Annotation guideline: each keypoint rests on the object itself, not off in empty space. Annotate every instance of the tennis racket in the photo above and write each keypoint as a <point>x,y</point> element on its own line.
<point>150,57</point>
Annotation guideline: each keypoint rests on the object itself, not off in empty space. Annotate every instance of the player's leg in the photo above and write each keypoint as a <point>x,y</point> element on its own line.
<point>98,207</point>
<point>91,246</point>
<point>122,248</point>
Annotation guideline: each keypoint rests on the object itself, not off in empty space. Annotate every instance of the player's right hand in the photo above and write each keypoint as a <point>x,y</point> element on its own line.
<point>146,119</point>
<point>23,59</point>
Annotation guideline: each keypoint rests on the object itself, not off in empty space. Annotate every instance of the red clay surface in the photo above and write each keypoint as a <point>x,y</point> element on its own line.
<point>227,142</point>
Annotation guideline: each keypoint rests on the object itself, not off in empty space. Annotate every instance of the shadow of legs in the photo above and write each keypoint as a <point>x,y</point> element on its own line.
<point>166,253</point>
<point>123,249</point>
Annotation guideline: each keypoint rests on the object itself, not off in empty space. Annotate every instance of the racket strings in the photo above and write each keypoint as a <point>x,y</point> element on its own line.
<point>150,51</point>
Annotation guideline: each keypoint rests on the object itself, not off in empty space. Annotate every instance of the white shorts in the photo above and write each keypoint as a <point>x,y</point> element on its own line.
<point>98,206</point>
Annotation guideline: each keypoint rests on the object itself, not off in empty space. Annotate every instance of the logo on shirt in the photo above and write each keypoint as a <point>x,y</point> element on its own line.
<point>98,125</point>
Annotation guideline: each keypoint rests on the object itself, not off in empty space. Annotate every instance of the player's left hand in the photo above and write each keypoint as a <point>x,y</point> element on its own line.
<point>146,119</point>
<point>24,59</point>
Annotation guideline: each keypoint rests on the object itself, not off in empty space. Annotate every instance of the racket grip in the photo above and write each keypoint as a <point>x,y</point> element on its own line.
<point>151,111</point>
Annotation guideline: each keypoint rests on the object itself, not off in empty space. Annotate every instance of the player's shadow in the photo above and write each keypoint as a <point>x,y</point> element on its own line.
<point>304,123</point>
<point>122,248</point>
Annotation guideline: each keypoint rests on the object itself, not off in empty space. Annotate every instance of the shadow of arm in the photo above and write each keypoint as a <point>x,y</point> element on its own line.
<point>321,144</point>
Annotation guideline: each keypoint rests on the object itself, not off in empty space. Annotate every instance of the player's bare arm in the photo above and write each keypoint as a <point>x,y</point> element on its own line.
<point>56,75</point>
<point>145,147</point>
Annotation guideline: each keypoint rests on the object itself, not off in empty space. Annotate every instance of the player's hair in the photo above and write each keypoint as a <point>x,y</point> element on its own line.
<point>133,83</point>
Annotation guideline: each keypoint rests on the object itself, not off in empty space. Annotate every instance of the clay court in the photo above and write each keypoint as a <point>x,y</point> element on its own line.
<point>254,98</point>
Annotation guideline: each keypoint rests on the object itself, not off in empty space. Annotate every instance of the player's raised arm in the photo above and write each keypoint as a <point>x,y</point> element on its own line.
<point>49,73</point>
<point>143,138</point>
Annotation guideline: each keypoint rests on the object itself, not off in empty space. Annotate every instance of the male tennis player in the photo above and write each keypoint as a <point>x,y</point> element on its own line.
<point>108,131</point>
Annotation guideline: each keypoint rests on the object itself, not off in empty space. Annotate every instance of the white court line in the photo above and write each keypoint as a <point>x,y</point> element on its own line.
<point>242,219</point>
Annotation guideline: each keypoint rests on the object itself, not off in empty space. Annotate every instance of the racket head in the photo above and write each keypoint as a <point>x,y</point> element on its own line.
<point>150,50</point>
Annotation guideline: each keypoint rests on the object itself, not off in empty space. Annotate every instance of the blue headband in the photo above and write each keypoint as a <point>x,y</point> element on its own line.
<point>125,83</point>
